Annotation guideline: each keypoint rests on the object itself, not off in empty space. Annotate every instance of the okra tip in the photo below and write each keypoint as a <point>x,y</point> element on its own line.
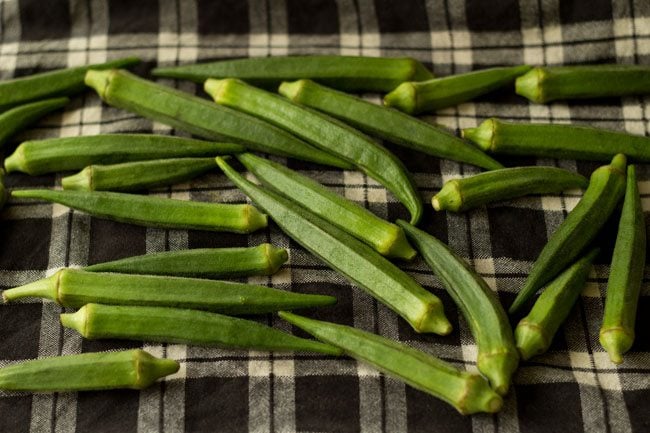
<point>99,80</point>
<point>254,219</point>
<point>149,368</point>
<point>616,341</point>
<point>483,135</point>
<point>529,85</point>
<point>44,288</point>
<point>292,89</point>
<point>276,257</point>
<point>618,163</point>
<point>82,181</point>
<point>16,161</point>
<point>218,88</point>
<point>448,198</point>
<point>530,339</point>
<point>403,97</point>
<point>479,397</point>
<point>434,320</point>
<point>76,320</point>
<point>498,367</point>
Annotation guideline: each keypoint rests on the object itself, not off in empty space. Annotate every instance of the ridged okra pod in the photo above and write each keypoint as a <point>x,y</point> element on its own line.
<point>488,322</point>
<point>139,175</point>
<point>264,259</point>
<point>324,132</point>
<point>201,117</point>
<point>387,123</point>
<point>557,141</point>
<point>386,238</point>
<point>153,211</point>
<point>351,73</point>
<point>459,195</point>
<point>535,332</point>
<point>74,153</point>
<point>625,275</point>
<point>468,393</point>
<point>606,187</point>
<point>131,369</point>
<point>437,93</point>
<point>549,83</point>
<point>60,82</point>
<point>350,257</point>
<point>75,288</point>
<point>176,325</point>
<point>17,118</point>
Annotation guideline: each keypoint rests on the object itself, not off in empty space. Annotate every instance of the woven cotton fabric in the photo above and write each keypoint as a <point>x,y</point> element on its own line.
<point>572,388</point>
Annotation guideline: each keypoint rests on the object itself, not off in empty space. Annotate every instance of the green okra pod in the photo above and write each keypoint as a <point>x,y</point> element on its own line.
<point>350,257</point>
<point>264,259</point>
<point>351,73</point>
<point>201,117</point>
<point>387,123</point>
<point>75,288</point>
<point>74,153</point>
<point>625,275</point>
<point>153,211</point>
<point>131,369</point>
<point>139,175</point>
<point>550,83</point>
<point>468,393</point>
<point>176,325</point>
<point>17,118</point>
<point>324,132</point>
<point>535,332</point>
<point>488,322</point>
<point>60,82</point>
<point>557,141</point>
<point>386,238</point>
<point>606,187</point>
<point>437,93</point>
<point>459,195</point>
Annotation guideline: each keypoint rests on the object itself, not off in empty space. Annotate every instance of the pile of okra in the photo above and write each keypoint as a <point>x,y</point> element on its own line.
<point>304,107</point>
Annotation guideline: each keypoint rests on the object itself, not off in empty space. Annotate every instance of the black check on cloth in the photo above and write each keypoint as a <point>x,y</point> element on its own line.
<point>572,388</point>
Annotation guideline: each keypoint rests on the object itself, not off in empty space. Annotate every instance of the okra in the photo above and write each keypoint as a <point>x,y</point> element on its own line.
<point>488,322</point>
<point>387,123</point>
<point>370,74</point>
<point>60,82</point>
<point>51,155</point>
<point>131,369</point>
<point>468,393</point>
<point>625,276</point>
<point>155,211</point>
<point>350,257</point>
<point>606,187</point>
<point>75,288</point>
<point>139,175</point>
<point>437,93</point>
<point>459,195</point>
<point>535,332</point>
<point>176,325</point>
<point>557,141</point>
<point>386,238</point>
<point>324,132</point>
<point>264,259</point>
<point>17,118</point>
<point>201,117</point>
<point>545,84</point>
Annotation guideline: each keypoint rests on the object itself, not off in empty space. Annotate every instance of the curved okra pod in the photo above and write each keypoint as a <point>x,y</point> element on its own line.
<point>60,82</point>
<point>459,195</point>
<point>350,257</point>
<point>131,369</point>
<point>175,325</point>
<point>497,354</point>
<point>535,332</point>
<point>74,153</point>
<point>153,211</point>
<point>17,118</point>
<point>557,141</point>
<point>75,288</point>
<point>139,175</point>
<point>351,73</point>
<point>324,132</point>
<point>625,275</point>
<point>468,393</point>
<point>437,93</point>
<point>264,259</point>
<point>545,84</point>
<point>606,187</point>
<point>201,117</point>
<point>387,123</point>
<point>386,238</point>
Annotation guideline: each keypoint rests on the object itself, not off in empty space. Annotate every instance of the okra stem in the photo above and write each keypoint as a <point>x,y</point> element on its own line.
<point>17,118</point>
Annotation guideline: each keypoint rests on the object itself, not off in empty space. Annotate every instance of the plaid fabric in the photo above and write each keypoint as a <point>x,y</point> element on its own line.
<point>573,388</point>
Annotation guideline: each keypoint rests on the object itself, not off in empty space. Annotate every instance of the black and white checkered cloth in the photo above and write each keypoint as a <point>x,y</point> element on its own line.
<point>573,388</point>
